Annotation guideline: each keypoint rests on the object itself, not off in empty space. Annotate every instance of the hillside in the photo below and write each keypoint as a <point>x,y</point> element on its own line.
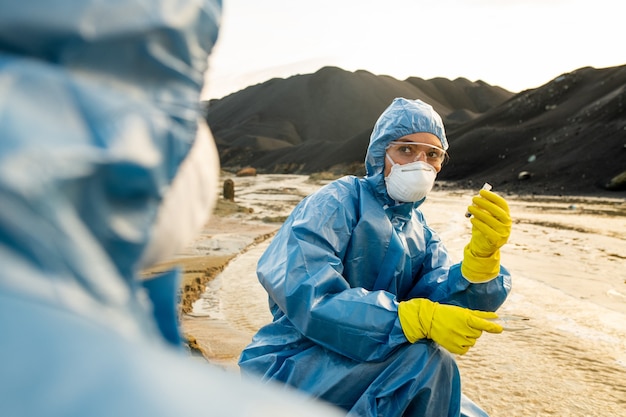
<point>566,137</point>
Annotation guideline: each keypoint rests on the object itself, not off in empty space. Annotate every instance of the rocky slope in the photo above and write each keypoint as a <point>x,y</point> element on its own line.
<point>565,137</point>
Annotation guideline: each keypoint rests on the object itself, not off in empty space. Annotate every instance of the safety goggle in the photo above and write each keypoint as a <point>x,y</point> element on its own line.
<point>410,152</point>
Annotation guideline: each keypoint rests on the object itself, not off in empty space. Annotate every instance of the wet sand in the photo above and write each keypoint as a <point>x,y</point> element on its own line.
<point>567,257</point>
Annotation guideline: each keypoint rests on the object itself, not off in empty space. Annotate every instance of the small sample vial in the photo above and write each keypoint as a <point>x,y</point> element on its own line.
<point>512,322</point>
<point>486,186</point>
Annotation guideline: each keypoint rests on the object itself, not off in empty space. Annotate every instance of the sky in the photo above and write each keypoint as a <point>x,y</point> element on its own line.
<point>514,44</point>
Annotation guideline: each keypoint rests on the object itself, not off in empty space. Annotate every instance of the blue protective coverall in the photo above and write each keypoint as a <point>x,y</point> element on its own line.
<point>99,107</point>
<point>335,273</point>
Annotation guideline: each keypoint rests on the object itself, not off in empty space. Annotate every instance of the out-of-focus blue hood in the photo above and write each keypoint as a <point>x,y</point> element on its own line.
<point>99,105</point>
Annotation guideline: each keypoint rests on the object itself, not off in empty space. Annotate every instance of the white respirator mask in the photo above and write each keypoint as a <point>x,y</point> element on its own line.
<point>411,182</point>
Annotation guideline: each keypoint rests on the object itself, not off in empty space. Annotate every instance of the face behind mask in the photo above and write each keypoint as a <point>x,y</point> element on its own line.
<point>411,182</point>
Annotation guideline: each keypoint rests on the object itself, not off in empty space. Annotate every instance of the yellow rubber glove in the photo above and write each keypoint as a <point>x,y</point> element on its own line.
<point>454,328</point>
<point>491,228</point>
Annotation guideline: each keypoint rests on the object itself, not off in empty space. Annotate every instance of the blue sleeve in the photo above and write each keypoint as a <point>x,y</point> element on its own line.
<point>302,272</point>
<point>487,296</point>
<point>445,284</point>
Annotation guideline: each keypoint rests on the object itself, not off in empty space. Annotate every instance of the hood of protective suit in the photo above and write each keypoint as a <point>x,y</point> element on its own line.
<point>100,109</point>
<point>402,117</point>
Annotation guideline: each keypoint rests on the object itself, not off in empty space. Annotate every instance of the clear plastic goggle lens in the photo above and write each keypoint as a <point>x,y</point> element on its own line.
<point>411,151</point>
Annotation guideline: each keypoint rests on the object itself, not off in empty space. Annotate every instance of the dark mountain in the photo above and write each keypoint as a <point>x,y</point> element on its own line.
<point>322,121</point>
<point>566,137</point>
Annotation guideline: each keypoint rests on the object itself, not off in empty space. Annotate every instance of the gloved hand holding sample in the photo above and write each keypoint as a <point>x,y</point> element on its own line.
<point>491,228</point>
<point>454,328</point>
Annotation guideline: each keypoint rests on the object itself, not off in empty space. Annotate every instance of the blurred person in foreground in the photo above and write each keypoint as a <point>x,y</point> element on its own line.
<point>367,307</point>
<point>107,167</point>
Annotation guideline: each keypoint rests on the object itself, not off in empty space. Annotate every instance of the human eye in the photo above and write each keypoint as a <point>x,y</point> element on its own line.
<point>406,149</point>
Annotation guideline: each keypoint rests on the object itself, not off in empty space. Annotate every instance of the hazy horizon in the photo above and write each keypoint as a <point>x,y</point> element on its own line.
<point>516,45</point>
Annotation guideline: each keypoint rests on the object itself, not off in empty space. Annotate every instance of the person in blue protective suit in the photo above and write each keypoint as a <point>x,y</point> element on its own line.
<point>366,304</point>
<point>107,167</point>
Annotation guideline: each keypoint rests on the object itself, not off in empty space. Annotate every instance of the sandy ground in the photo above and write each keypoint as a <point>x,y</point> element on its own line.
<point>567,257</point>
